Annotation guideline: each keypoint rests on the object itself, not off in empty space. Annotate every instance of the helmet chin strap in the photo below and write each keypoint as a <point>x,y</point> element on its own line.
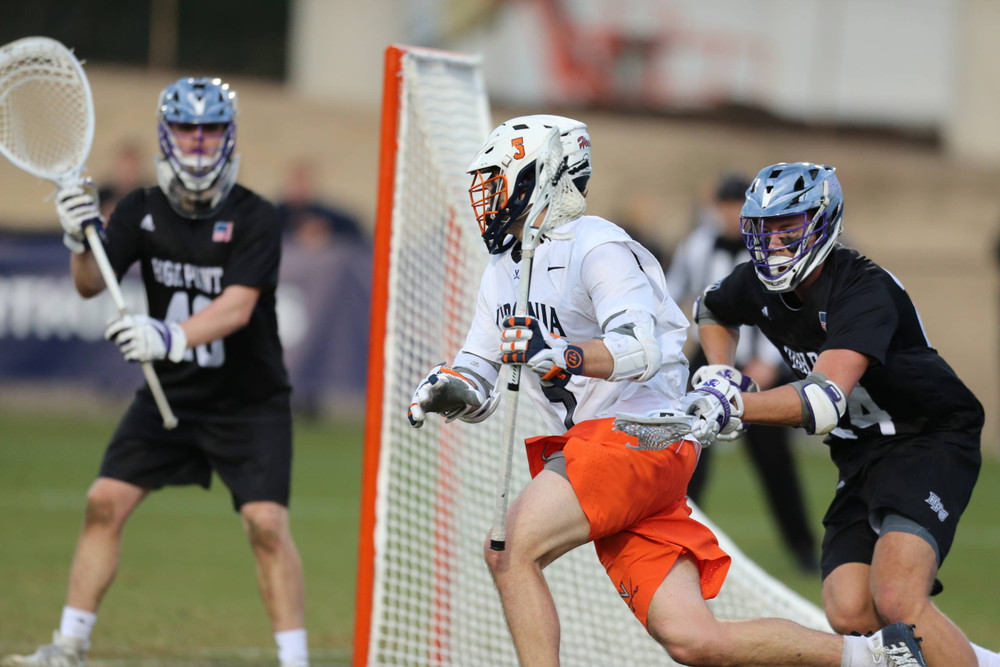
<point>193,204</point>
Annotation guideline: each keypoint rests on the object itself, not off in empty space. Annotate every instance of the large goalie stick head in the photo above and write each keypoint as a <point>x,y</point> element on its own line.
<point>46,110</point>
<point>47,129</point>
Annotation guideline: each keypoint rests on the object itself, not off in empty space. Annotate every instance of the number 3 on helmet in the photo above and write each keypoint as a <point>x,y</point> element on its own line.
<point>503,172</point>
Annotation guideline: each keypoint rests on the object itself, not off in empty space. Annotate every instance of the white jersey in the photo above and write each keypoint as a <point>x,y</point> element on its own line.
<point>578,286</point>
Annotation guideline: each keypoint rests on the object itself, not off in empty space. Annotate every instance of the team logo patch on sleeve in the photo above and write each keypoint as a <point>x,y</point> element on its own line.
<point>222,232</point>
<point>822,320</point>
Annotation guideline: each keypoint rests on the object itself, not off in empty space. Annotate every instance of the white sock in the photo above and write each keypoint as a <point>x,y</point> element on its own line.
<point>986,658</point>
<point>292,646</point>
<point>857,652</point>
<point>77,623</point>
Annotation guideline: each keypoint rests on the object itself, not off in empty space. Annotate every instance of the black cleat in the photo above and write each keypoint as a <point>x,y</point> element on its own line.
<point>896,646</point>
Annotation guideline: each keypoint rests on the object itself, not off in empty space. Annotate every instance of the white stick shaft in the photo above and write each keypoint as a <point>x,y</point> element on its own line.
<point>111,280</point>
<point>498,533</point>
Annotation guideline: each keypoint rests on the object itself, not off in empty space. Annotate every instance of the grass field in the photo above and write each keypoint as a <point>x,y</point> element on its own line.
<point>185,593</point>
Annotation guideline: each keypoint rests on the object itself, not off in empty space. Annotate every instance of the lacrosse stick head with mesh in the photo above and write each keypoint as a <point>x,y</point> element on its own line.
<point>517,171</point>
<point>655,430</point>
<point>46,110</point>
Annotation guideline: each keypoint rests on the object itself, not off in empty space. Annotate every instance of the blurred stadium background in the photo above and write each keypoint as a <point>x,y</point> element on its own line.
<point>899,95</point>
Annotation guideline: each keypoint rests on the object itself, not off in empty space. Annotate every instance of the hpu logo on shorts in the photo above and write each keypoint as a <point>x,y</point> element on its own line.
<point>937,506</point>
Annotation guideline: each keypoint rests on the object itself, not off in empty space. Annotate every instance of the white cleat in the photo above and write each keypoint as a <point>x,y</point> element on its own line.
<point>896,646</point>
<point>62,652</point>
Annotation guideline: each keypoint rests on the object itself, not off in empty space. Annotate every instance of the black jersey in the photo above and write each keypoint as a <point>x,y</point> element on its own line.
<point>185,265</point>
<point>856,305</point>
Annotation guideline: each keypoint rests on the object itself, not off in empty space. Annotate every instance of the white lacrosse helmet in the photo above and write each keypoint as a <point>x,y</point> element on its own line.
<point>503,172</point>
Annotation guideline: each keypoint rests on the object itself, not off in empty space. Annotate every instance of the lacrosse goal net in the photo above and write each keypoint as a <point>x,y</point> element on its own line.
<point>425,596</point>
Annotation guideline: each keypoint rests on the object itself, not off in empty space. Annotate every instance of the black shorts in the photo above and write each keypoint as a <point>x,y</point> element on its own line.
<point>251,452</point>
<point>927,478</point>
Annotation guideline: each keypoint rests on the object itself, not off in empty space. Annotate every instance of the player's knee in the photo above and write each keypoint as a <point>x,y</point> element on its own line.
<point>849,608</point>
<point>104,508</point>
<point>498,562</point>
<point>685,645</point>
<point>266,526</point>
<point>508,560</point>
<point>100,510</point>
<point>847,616</point>
<point>691,642</point>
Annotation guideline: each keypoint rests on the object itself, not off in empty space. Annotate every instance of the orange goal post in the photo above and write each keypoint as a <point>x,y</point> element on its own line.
<point>424,594</point>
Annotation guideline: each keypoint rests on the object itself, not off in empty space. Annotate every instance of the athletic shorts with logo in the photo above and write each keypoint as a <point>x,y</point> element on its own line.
<point>926,477</point>
<point>251,451</point>
<point>636,503</point>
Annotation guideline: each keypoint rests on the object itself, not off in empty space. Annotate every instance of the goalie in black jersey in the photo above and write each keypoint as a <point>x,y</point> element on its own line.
<point>902,428</point>
<point>209,251</point>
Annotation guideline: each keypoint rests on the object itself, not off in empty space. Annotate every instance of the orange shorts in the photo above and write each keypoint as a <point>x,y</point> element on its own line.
<point>636,502</point>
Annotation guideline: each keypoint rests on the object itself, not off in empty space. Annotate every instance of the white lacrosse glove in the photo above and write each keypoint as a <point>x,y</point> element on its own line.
<point>446,392</point>
<point>717,407</point>
<point>141,338</point>
<point>77,207</point>
<point>522,341</point>
<point>744,382</point>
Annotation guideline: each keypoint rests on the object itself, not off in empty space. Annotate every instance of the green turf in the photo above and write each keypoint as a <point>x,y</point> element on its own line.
<point>185,591</point>
<point>186,595</point>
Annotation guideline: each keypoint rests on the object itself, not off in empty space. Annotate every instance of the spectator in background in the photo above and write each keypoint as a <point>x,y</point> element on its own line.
<point>127,174</point>
<point>709,253</point>
<point>305,217</point>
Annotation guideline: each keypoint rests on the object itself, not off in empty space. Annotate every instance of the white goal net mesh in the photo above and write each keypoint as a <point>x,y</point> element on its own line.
<point>432,601</point>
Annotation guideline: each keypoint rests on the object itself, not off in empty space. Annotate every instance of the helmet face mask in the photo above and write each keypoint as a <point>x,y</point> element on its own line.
<point>504,173</point>
<point>197,131</point>
<point>790,222</point>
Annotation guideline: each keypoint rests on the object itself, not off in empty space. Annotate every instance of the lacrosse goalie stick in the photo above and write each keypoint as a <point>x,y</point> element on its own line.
<point>561,202</point>
<point>47,129</point>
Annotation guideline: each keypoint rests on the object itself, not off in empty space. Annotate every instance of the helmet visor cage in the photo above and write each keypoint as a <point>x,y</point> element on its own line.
<point>198,152</point>
<point>497,206</point>
<point>488,194</point>
<point>775,251</point>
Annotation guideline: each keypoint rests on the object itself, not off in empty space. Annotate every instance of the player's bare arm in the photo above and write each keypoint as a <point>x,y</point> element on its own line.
<point>719,343</point>
<point>228,313</point>
<point>86,275</point>
<point>796,405</point>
